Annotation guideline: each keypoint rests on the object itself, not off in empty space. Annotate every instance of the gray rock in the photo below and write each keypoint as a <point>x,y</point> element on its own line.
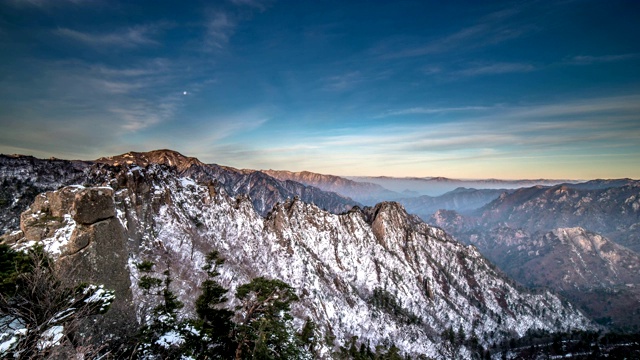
<point>92,205</point>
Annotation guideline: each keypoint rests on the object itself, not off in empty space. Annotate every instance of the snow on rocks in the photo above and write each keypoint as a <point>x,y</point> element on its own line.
<point>337,263</point>
<point>378,273</point>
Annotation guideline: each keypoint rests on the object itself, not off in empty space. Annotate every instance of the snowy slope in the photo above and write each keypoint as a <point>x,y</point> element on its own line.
<point>335,262</point>
<point>340,265</point>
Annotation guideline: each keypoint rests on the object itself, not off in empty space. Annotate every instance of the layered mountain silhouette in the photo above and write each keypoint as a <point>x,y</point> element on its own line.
<point>579,239</point>
<point>376,273</point>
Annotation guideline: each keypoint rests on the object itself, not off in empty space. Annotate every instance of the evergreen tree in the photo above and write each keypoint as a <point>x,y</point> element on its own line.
<point>164,337</point>
<point>214,321</point>
<point>451,342</point>
<point>309,337</point>
<point>12,264</point>
<point>264,330</point>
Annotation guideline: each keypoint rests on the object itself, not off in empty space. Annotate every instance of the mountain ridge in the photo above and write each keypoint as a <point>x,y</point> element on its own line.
<point>436,186</point>
<point>25,176</point>
<point>363,192</point>
<point>337,262</point>
<point>580,240</point>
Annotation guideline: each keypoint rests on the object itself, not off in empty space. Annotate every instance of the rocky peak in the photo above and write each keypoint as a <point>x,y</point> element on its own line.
<point>162,157</point>
<point>386,219</point>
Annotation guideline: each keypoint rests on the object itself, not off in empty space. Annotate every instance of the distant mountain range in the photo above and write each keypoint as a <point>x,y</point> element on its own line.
<point>579,239</point>
<point>436,186</point>
<point>377,275</point>
<point>462,200</point>
<point>613,211</point>
<point>364,192</point>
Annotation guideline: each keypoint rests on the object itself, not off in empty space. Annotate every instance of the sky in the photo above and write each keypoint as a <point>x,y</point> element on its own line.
<point>463,89</point>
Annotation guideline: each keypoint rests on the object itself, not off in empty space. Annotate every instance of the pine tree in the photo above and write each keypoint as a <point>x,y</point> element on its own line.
<point>309,337</point>
<point>264,330</point>
<point>214,321</point>
<point>164,337</point>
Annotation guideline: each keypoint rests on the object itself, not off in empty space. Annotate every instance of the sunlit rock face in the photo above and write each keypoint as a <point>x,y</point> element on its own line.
<point>22,178</point>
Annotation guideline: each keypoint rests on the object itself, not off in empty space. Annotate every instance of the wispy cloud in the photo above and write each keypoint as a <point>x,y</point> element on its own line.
<point>100,106</point>
<point>431,69</point>
<point>48,3</point>
<point>495,69</point>
<point>492,29</point>
<point>432,110</point>
<point>219,28</point>
<point>595,107</point>
<point>588,59</point>
<point>443,44</point>
<point>514,135</point>
<point>135,117</point>
<point>576,126</point>
<point>344,81</point>
<point>222,127</point>
<point>206,136</point>
<point>128,38</point>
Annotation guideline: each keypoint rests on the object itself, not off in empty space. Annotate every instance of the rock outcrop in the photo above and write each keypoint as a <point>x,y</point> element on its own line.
<point>22,178</point>
<point>78,227</point>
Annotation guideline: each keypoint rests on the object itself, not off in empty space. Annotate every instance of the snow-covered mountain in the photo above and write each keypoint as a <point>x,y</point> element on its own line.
<point>339,264</point>
<point>24,177</point>
<point>265,191</point>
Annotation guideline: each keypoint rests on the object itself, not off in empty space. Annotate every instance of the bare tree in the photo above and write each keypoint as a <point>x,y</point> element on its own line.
<point>41,314</point>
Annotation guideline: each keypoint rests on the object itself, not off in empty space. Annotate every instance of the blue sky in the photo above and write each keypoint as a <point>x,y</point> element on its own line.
<point>467,89</point>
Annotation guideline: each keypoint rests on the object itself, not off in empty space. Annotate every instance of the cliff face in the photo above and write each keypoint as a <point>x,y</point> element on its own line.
<point>340,265</point>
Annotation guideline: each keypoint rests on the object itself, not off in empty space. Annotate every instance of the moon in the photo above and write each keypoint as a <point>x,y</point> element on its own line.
<point>185,93</point>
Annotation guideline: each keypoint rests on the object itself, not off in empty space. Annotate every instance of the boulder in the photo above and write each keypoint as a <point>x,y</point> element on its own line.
<point>92,205</point>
